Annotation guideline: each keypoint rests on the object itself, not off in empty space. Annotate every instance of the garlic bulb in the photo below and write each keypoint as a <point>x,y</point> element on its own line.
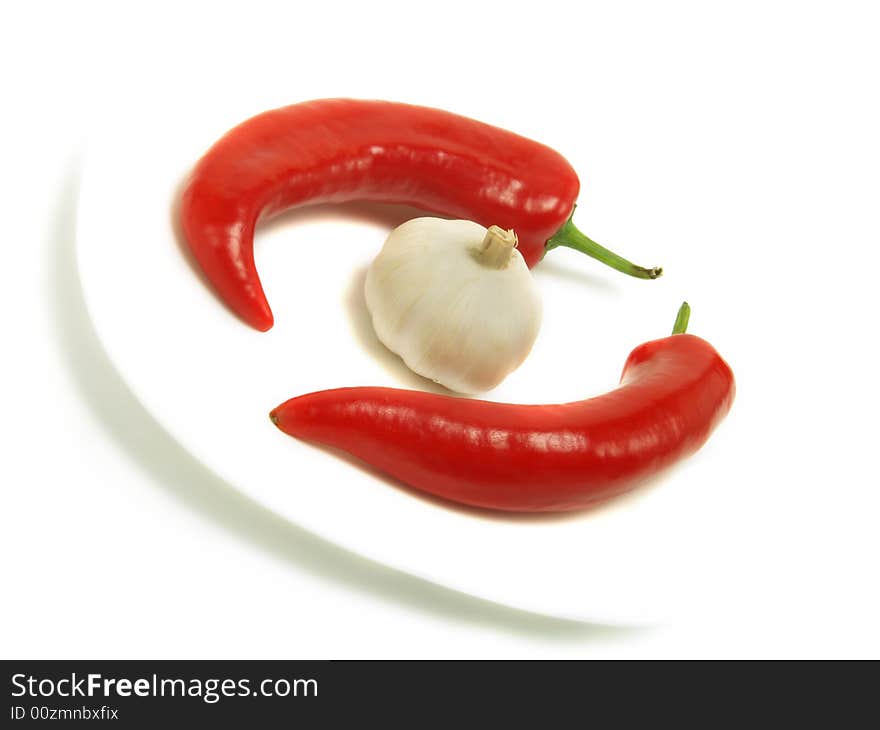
<point>455,300</point>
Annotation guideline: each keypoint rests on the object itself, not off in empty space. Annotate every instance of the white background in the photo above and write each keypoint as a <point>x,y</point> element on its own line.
<point>741,138</point>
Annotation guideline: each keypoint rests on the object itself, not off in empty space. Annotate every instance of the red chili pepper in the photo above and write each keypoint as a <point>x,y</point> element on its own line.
<point>531,458</point>
<point>337,150</point>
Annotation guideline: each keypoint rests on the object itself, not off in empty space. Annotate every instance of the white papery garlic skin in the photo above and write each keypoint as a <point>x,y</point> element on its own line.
<point>455,300</point>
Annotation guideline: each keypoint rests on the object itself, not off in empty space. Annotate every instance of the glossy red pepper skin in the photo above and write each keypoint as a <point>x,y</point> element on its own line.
<point>530,458</point>
<point>337,150</point>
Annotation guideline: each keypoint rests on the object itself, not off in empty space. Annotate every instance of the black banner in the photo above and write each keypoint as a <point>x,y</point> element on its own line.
<point>253,693</point>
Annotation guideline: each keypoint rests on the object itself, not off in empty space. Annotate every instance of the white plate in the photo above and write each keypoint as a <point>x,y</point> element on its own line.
<point>211,381</point>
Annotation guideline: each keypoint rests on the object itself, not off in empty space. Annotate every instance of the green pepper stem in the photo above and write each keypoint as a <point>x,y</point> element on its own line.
<point>681,320</point>
<point>571,237</point>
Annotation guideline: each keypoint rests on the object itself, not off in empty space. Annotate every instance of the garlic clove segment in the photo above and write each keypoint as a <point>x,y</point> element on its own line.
<point>455,301</point>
